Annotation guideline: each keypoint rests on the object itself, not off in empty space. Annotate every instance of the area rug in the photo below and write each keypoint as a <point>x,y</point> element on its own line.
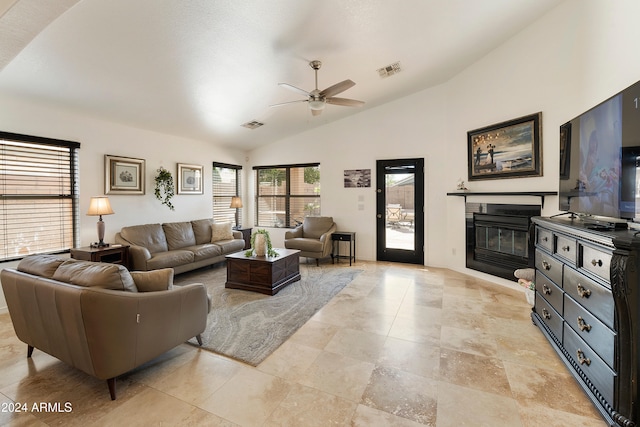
<point>249,326</point>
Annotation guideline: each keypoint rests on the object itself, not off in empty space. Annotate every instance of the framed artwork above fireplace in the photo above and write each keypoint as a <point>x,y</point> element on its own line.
<point>510,149</point>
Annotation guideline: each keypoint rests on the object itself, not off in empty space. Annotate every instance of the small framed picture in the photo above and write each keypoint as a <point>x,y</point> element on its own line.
<point>123,175</point>
<point>189,179</point>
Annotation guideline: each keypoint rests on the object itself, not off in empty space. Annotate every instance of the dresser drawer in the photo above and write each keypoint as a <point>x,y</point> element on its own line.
<point>544,239</point>
<point>566,248</point>
<point>594,297</point>
<point>591,330</point>
<point>596,261</point>
<point>602,377</point>
<point>549,316</point>
<point>551,267</point>
<point>549,290</point>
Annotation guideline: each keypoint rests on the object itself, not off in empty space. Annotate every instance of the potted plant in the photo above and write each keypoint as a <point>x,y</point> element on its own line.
<point>164,190</point>
<point>261,244</point>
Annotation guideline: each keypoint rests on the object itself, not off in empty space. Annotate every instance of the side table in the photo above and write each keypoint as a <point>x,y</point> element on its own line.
<point>113,254</point>
<point>344,236</point>
<point>246,235</point>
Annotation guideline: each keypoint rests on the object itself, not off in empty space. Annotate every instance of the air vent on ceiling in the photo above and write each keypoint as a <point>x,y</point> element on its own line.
<point>389,70</point>
<point>253,124</point>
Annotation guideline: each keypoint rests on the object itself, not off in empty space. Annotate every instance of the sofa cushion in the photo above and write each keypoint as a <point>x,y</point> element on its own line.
<point>95,274</point>
<point>221,231</point>
<point>205,251</point>
<point>230,246</point>
<point>314,227</point>
<point>150,236</point>
<point>40,265</point>
<point>303,244</point>
<point>202,230</point>
<point>170,259</point>
<point>179,235</point>
<point>152,281</point>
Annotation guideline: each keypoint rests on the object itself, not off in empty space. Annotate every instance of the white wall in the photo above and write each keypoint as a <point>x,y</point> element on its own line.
<point>579,54</point>
<point>576,56</point>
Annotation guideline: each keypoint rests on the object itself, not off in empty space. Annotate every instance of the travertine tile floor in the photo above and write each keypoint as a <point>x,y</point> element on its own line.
<point>401,345</point>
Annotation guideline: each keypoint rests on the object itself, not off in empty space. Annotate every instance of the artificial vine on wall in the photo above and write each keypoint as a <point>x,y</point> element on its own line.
<point>164,190</point>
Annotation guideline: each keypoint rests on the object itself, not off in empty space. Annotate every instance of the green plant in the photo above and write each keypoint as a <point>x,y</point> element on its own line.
<point>164,190</point>
<point>270,251</point>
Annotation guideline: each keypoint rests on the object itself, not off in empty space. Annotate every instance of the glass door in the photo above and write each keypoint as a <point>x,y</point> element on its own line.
<point>400,210</point>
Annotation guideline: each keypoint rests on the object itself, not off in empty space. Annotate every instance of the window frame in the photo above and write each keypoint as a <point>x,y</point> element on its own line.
<point>71,191</point>
<point>288,197</point>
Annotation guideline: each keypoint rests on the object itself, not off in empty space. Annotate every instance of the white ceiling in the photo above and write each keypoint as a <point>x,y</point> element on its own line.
<point>201,68</point>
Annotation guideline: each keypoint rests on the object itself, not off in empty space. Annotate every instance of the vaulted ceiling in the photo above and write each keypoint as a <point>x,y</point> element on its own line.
<point>202,68</point>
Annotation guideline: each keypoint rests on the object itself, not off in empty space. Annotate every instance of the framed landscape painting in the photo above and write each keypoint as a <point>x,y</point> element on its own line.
<point>510,149</point>
<point>123,175</point>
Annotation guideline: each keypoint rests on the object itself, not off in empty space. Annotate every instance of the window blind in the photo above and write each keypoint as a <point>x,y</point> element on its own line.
<point>38,195</point>
<point>226,183</point>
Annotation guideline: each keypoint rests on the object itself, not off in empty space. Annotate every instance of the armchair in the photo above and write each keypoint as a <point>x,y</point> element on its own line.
<point>312,238</point>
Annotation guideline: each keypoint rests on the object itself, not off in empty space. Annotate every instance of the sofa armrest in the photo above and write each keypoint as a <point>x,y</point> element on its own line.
<point>237,234</point>
<point>138,257</point>
<point>126,329</point>
<point>292,234</point>
<point>327,234</point>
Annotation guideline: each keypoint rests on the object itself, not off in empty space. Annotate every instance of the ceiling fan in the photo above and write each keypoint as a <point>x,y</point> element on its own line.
<point>317,99</point>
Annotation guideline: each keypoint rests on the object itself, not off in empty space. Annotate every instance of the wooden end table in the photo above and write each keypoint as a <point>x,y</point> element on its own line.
<point>113,254</point>
<point>266,275</point>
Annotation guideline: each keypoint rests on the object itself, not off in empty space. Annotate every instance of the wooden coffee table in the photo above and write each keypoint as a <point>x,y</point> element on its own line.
<point>263,274</point>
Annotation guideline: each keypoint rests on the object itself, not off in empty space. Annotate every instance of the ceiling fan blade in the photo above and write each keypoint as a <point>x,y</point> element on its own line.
<point>293,88</point>
<point>289,102</point>
<point>344,101</point>
<point>337,88</point>
<point>316,112</point>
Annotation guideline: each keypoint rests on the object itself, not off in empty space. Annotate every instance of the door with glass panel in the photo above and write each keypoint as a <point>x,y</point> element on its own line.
<point>400,210</point>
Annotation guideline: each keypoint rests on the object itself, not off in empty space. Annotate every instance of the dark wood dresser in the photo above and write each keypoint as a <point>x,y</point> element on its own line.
<point>587,305</point>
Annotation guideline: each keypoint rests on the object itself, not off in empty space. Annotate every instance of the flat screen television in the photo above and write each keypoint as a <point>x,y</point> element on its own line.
<point>600,159</point>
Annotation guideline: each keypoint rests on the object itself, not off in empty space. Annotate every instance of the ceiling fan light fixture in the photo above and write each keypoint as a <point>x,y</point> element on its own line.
<point>316,104</point>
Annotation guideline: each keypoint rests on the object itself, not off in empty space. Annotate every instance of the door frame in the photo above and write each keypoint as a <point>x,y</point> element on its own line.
<point>383,253</point>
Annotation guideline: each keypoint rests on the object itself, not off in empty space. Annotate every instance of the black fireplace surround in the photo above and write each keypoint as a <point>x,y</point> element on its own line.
<point>497,237</point>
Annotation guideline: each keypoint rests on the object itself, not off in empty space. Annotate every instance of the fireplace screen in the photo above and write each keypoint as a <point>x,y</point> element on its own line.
<point>503,240</point>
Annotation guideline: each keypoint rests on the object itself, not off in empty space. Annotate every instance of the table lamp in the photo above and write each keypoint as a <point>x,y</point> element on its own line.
<point>236,202</point>
<point>97,207</point>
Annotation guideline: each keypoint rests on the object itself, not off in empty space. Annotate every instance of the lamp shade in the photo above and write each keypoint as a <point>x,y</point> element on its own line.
<point>99,206</point>
<point>236,202</point>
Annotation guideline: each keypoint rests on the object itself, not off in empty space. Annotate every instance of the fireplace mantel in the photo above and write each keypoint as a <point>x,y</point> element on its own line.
<point>540,194</point>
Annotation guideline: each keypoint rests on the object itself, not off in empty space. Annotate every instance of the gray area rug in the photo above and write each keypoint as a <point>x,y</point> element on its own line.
<point>249,326</point>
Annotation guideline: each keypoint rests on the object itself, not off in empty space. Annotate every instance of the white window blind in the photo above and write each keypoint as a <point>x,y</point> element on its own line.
<point>38,195</point>
<point>225,185</point>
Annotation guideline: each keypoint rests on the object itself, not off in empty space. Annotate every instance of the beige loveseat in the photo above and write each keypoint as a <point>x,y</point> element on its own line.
<point>182,246</point>
<point>100,318</point>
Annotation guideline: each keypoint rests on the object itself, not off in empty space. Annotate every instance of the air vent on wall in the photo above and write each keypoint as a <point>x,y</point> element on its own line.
<point>252,125</point>
<point>389,70</point>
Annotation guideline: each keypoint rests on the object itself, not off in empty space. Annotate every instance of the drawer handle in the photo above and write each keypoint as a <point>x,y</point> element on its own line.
<point>581,359</point>
<point>545,239</point>
<point>596,262</point>
<point>546,314</point>
<point>566,248</point>
<point>583,292</point>
<point>546,289</point>
<point>584,326</point>
<point>546,265</point>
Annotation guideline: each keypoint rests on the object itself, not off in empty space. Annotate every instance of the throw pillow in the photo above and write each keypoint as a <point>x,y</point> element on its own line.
<point>155,280</point>
<point>221,231</point>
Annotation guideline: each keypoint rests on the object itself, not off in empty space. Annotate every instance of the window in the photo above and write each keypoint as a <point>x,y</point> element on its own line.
<point>38,195</point>
<point>226,184</point>
<point>287,194</point>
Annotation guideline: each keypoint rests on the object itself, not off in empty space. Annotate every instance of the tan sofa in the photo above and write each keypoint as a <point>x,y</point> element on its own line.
<point>100,318</point>
<point>312,238</point>
<point>182,246</point>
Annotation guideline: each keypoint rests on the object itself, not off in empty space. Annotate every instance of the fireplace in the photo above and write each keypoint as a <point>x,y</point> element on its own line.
<point>498,237</point>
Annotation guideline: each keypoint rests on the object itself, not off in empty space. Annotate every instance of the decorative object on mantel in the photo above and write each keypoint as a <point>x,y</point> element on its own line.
<point>540,194</point>
<point>510,149</point>
<point>461,186</point>
<point>164,190</point>
<point>261,244</point>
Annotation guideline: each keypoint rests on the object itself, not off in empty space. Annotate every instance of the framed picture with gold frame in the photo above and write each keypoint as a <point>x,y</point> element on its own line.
<point>124,175</point>
<point>190,179</point>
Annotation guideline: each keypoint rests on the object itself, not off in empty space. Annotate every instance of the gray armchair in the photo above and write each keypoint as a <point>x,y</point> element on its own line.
<point>312,238</point>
